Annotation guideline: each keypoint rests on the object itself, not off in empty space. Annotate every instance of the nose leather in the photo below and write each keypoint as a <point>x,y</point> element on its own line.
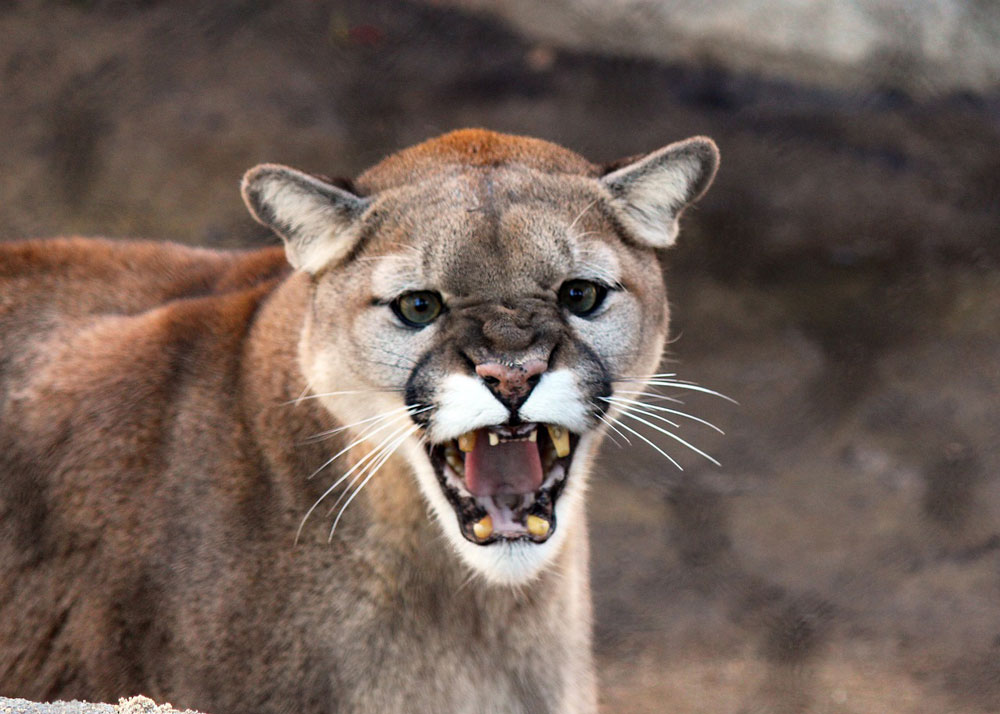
<point>511,382</point>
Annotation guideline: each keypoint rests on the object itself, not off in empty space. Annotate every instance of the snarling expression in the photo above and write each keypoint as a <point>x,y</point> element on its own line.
<point>489,308</point>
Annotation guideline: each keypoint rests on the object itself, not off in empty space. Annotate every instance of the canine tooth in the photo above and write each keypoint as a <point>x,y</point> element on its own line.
<point>494,439</point>
<point>560,439</point>
<point>533,436</point>
<point>483,528</point>
<point>455,461</point>
<point>467,441</point>
<point>538,526</point>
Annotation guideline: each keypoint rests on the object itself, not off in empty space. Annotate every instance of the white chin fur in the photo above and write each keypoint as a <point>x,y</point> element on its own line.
<point>506,563</point>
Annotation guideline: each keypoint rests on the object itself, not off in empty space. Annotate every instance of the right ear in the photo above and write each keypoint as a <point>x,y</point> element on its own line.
<point>650,193</point>
<point>317,221</point>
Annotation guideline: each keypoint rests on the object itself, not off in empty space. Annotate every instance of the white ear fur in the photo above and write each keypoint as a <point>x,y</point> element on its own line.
<point>650,193</point>
<point>317,221</point>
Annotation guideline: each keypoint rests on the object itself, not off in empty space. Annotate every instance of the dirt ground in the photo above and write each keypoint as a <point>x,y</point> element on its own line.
<point>840,282</point>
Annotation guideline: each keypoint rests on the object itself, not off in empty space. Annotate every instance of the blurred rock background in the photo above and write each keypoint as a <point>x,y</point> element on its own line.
<point>840,281</point>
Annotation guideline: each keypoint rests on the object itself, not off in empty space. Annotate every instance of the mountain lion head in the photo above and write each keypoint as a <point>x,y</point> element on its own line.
<point>475,300</point>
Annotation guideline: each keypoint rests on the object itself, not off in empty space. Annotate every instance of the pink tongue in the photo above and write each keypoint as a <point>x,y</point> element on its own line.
<point>508,467</point>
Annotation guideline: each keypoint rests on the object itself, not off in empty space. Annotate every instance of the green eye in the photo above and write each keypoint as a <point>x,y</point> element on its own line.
<point>582,297</point>
<point>419,308</point>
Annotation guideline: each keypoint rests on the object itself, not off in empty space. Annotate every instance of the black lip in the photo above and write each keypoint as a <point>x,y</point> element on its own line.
<point>469,512</point>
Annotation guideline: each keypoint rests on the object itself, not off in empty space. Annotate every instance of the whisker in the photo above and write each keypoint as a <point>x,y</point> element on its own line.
<point>656,378</point>
<point>627,353</point>
<point>383,449</point>
<point>468,579</point>
<point>374,457</point>
<point>375,462</point>
<point>302,394</point>
<point>371,473</point>
<point>663,431</point>
<point>346,391</point>
<point>340,480</point>
<point>594,270</point>
<point>394,365</point>
<point>378,417</point>
<point>409,360</point>
<point>684,385</point>
<point>410,411</point>
<point>612,426</point>
<point>572,224</point>
<point>665,409</point>
<point>651,395</point>
<point>354,443</point>
<point>661,451</point>
<point>626,408</point>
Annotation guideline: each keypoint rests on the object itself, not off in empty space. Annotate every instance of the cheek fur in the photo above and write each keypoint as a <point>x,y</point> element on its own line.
<point>619,336</point>
<point>385,348</point>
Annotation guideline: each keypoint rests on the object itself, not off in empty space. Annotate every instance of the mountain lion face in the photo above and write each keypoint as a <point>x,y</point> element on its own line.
<point>473,300</point>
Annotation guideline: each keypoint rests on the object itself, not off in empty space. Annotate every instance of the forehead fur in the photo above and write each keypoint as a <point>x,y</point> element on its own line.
<point>471,148</point>
<point>499,231</point>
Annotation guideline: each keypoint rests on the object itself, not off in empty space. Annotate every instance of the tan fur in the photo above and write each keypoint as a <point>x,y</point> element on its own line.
<point>155,447</point>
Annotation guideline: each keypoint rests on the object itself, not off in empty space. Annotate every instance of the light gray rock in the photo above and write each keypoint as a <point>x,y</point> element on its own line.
<point>922,46</point>
<point>131,705</point>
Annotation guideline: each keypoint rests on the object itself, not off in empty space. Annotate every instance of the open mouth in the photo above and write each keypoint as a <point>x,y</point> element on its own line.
<point>504,481</point>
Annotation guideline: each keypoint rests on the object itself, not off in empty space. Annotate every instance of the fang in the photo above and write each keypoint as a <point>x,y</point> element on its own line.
<point>455,461</point>
<point>467,441</point>
<point>483,528</point>
<point>560,440</point>
<point>538,526</point>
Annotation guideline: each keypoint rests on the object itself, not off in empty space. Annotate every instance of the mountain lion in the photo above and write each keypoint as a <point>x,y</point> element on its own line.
<point>356,484</point>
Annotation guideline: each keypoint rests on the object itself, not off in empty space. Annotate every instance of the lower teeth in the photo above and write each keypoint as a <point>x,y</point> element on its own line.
<point>538,526</point>
<point>483,528</point>
<point>455,461</point>
<point>510,508</point>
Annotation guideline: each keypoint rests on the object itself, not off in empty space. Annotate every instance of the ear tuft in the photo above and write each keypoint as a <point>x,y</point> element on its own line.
<point>650,193</point>
<point>316,220</point>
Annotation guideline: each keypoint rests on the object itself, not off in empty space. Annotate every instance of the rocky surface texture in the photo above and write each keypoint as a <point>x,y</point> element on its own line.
<point>132,705</point>
<point>840,282</point>
<point>926,46</point>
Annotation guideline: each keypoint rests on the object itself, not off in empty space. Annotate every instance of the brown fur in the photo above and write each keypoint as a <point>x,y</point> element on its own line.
<point>154,455</point>
<point>471,148</point>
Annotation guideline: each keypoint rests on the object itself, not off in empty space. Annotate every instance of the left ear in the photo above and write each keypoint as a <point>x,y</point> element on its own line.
<point>650,193</point>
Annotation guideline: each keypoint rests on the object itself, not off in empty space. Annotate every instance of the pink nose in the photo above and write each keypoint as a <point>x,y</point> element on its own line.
<point>511,382</point>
